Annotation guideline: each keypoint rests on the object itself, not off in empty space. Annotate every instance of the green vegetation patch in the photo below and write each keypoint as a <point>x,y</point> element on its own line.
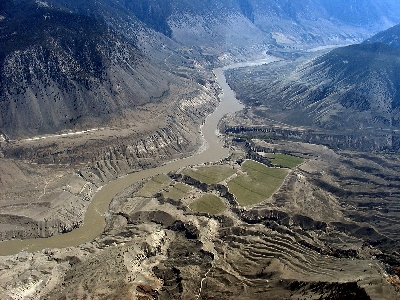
<point>211,174</point>
<point>178,191</point>
<point>208,203</point>
<point>287,161</point>
<point>258,184</point>
<point>154,185</point>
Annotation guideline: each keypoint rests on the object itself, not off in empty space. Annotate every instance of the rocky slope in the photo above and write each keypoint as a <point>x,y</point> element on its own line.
<point>62,70</point>
<point>65,64</point>
<point>294,23</point>
<point>388,37</point>
<point>133,80</point>
<point>313,239</point>
<point>47,183</point>
<point>351,91</point>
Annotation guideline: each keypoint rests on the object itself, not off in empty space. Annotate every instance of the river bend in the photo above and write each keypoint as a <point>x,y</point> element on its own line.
<point>94,222</point>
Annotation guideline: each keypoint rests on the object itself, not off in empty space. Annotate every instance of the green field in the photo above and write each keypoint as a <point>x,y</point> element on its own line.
<point>178,191</point>
<point>208,203</point>
<point>287,161</point>
<point>154,185</point>
<point>258,184</point>
<point>211,174</point>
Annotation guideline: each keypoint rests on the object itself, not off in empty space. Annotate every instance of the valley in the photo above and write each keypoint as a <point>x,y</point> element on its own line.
<point>233,149</point>
<point>94,217</point>
<point>271,224</point>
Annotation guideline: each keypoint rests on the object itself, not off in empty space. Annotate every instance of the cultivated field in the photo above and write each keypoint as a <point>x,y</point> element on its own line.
<point>287,161</point>
<point>211,174</point>
<point>257,184</point>
<point>208,203</point>
<point>178,191</point>
<point>154,185</point>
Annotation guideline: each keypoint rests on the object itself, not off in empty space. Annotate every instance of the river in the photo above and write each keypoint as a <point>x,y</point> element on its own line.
<point>94,222</point>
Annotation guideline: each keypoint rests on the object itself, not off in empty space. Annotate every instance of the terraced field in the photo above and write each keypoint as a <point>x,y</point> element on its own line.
<point>259,262</point>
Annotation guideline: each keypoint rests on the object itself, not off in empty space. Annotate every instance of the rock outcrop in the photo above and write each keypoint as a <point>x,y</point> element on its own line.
<point>96,157</point>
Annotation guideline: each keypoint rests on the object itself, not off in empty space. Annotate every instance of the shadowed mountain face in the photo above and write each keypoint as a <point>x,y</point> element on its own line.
<point>59,68</point>
<point>68,64</point>
<point>352,89</point>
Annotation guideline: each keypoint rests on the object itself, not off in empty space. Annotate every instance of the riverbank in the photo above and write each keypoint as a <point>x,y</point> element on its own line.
<point>94,222</point>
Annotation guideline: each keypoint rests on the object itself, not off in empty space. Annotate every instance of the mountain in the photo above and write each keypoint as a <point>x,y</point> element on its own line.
<point>329,22</point>
<point>353,89</point>
<point>389,37</point>
<point>58,67</point>
<point>96,93</point>
<point>78,64</point>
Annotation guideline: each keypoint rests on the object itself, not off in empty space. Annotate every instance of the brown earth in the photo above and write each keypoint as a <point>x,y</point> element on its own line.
<point>329,232</point>
<point>46,182</point>
<point>312,239</point>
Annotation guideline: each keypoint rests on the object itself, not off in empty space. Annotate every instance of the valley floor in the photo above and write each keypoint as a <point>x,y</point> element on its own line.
<point>301,242</point>
<point>317,224</point>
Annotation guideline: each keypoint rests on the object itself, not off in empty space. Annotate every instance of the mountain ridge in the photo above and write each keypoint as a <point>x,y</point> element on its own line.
<point>91,42</point>
<point>353,88</point>
<point>390,37</point>
<point>127,88</point>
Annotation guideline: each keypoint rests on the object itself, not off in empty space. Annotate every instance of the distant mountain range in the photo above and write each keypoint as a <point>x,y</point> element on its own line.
<point>67,64</point>
<point>351,88</point>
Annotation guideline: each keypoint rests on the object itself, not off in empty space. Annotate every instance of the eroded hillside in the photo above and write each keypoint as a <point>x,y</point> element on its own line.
<point>92,91</point>
<point>347,98</point>
<point>315,237</point>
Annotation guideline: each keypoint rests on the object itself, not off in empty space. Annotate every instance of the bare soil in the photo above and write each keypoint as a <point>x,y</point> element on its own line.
<point>306,241</point>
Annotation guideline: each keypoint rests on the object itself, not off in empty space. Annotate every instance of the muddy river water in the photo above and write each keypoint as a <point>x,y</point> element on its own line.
<point>94,222</point>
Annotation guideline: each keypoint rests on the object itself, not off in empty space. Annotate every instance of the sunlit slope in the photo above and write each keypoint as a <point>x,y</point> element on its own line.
<point>350,88</point>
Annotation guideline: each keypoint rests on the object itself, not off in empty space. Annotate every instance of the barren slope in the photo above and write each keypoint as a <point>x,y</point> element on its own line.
<point>305,241</point>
